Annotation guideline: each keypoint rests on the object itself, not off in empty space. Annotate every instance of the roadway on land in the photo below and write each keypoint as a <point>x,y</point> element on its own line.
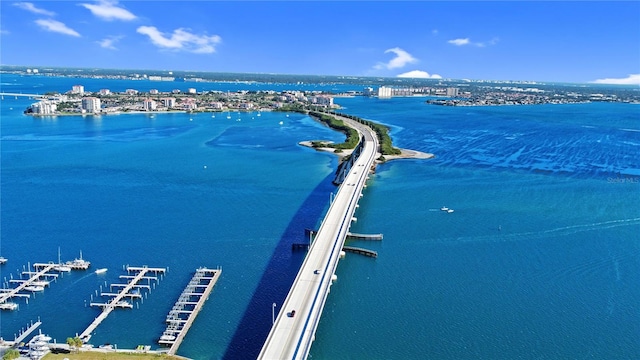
<point>291,336</point>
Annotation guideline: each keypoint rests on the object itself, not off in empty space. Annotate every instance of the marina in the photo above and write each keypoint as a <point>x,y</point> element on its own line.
<point>129,290</point>
<point>186,309</point>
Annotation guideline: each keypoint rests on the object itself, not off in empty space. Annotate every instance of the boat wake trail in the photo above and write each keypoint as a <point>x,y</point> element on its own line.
<point>533,235</point>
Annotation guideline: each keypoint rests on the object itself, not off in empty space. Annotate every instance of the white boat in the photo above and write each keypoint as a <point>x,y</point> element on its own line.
<point>259,114</point>
<point>40,283</point>
<point>101,271</point>
<point>444,208</point>
<point>8,306</point>
<point>62,268</point>
<point>2,260</point>
<point>78,263</point>
<point>124,303</point>
<point>167,337</point>
<point>450,210</point>
<point>34,288</point>
<point>281,122</point>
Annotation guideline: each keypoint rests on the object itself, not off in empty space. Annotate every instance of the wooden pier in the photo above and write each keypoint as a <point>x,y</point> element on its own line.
<point>118,300</point>
<point>187,307</point>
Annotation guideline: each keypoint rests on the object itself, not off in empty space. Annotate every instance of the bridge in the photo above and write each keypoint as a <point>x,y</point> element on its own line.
<point>294,329</point>
<point>16,95</point>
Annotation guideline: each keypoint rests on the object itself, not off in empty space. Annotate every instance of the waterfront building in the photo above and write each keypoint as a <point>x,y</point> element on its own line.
<point>384,92</point>
<point>131,91</point>
<point>368,91</point>
<point>191,91</point>
<point>216,105</point>
<point>153,91</point>
<point>149,105</point>
<point>91,104</point>
<point>45,107</point>
<point>176,91</point>
<point>452,91</point>
<point>322,100</point>
<point>189,104</point>
<point>168,102</point>
<point>77,89</point>
<point>104,92</point>
<point>246,106</point>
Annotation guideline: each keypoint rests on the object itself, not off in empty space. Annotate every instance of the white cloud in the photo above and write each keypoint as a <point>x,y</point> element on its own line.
<point>181,39</point>
<point>459,42</point>
<point>402,58</point>
<point>467,41</point>
<point>419,74</point>
<point>4,32</point>
<point>56,26</point>
<point>108,43</point>
<point>632,79</point>
<point>107,10</point>
<point>32,8</point>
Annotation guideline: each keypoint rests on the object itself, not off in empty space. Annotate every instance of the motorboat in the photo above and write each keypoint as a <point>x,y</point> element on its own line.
<point>8,306</point>
<point>34,288</point>
<point>101,271</point>
<point>2,260</point>
<point>444,208</point>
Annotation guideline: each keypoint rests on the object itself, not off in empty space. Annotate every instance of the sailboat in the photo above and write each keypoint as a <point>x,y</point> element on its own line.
<point>61,267</point>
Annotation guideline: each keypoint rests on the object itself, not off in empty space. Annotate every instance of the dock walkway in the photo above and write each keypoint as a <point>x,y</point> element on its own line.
<point>117,301</point>
<point>186,309</point>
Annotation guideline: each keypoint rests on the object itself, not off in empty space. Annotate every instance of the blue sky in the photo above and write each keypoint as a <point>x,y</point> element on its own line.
<point>538,41</point>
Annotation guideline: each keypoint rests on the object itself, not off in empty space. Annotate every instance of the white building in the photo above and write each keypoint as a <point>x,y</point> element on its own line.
<point>131,91</point>
<point>104,92</point>
<point>45,107</point>
<point>368,91</point>
<point>384,92</point>
<point>191,91</point>
<point>77,89</point>
<point>168,102</point>
<point>149,105</point>
<point>153,91</point>
<point>91,104</point>
<point>322,100</point>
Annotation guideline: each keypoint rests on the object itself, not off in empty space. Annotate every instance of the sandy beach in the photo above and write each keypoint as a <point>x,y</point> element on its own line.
<point>406,153</point>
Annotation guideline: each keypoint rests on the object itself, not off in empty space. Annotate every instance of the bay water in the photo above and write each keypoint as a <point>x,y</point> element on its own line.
<point>539,260</point>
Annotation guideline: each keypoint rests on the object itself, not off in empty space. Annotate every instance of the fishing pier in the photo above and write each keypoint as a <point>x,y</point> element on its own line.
<point>129,290</point>
<point>186,309</point>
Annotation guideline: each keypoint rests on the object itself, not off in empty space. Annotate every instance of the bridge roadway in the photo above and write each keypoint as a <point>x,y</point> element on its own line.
<point>291,336</point>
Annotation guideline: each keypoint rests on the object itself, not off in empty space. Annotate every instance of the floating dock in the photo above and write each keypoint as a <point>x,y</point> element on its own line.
<point>118,300</point>
<point>26,284</point>
<point>187,307</point>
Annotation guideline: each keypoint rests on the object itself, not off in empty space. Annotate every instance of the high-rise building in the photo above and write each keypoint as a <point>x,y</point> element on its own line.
<point>384,92</point>
<point>149,105</point>
<point>91,104</point>
<point>451,91</point>
<point>77,89</point>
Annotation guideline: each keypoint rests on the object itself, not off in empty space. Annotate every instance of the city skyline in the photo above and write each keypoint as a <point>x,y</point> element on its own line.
<point>580,42</point>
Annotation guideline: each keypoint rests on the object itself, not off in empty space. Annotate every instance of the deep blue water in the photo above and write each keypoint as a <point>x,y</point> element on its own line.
<point>540,260</point>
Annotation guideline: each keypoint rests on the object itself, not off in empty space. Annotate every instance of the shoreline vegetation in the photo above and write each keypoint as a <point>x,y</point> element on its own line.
<point>387,151</point>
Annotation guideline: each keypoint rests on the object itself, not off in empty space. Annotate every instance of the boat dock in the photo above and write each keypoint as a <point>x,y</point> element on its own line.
<point>23,334</point>
<point>118,298</point>
<point>26,284</point>
<point>187,307</point>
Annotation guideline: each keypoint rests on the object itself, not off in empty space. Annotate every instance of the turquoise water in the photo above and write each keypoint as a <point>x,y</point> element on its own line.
<point>540,259</point>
